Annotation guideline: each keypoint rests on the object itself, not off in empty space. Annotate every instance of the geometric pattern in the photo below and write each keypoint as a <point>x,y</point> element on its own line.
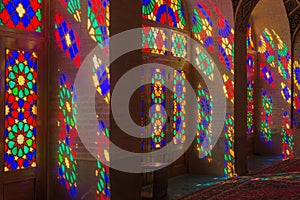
<point>67,163</point>
<point>73,7</point>
<point>266,117</point>
<point>266,74</point>
<point>158,103</point>
<point>99,21</point>
<point>287,137</point>
<point>228,87</point>
<point>67,39</point>
<point>204,133</point>
<point>171,13</point>
<point>179,45</point>
<point>179,112</point>
<point>154,40</point>
<point>250,107</point>
<point>229,170</point>
<point>20,110</point>
<point>202,26</point>
<point>204,63</point>
<point>21,14</point>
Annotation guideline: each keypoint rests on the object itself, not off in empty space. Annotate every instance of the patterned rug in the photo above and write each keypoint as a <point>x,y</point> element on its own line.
<point>281,181</point>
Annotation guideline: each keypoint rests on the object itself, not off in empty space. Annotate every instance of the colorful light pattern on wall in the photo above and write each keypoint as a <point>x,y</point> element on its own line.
<point>179,45</point>
<point>21,14</point>
<point>297,74</point>
<point>296,102</point>
<point>158,104</point>
<point>73,7</point>
<point>225,41</point>
<point>204,133</point>
<point>228,87</point>
<point>20,110</point>
<point>250,63</point>
<point>179,102</point>
<point>229,170</point>
<point>99,21</point>
<point>203,26</point>
<point>67,163</point>
<point>287,137</point>
<point>284,58</point>
<point>204,63</point>
<point>267,109</point>
<point>286,93</point>
<point>154,40</point>
<point>102,171</point>
<point>250,107</point>
<point>266,74</point>
<point>101,78</point>
<point>249,43</point>
<point>67,39</point>
<point>266,47</point>
<point>168,12</point>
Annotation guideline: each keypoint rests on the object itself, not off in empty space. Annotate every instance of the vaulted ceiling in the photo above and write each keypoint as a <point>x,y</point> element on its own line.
<point>243,8</point>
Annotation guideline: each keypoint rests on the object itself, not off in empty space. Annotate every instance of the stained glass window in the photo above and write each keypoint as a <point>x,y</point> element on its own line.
<point>179,45</point>
<point>287,137</point>
<point>154,40</point>
<point>250,107</point>
<point>67,162</point>
<point>20,110</point>
<point>179,113</point>
<point>286,93</point>
<point>158,104</point>
<point>204,63</point>
<point>202,26</point>
<point>266,74</point>
<point>228,87</point>
<point>168,12</point>
<point>22,14</point>
<point>204,133</point>
<point>73,7</point>
<point>67,39</point>
<point>176,14</point>
<point>229,156</point>
<point>267,110</point>
<point>99,21</point>
<point>266,47</point>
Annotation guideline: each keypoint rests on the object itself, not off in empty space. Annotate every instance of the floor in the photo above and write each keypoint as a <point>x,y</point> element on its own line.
<point>188,183</point>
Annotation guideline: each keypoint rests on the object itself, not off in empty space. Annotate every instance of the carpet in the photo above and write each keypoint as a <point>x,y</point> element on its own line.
<point>281,181</point>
